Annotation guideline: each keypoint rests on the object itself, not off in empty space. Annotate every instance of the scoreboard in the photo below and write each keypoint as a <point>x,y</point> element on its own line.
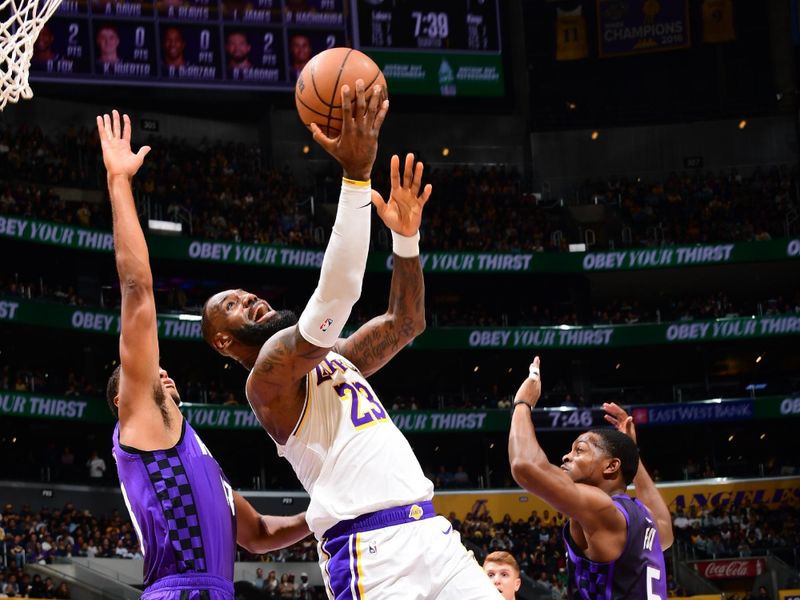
<point>429,47</point>
<point>434,47</point>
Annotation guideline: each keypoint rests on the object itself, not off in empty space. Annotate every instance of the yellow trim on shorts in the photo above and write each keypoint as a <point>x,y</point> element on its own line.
<point>327,580</point>
<point>359,573</point>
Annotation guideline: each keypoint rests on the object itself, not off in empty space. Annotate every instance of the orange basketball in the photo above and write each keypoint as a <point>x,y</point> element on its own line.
<point>318,91</point>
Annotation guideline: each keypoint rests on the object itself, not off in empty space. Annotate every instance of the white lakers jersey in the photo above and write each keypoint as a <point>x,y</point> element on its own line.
<point>346,451</point>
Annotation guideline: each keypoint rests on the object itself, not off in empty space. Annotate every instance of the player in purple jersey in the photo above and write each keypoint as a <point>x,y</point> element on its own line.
<point>187,517</point>
<point>614,543</point>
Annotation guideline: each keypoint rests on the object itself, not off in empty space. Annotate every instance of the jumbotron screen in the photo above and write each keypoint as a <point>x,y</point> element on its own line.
<point>430,47</point>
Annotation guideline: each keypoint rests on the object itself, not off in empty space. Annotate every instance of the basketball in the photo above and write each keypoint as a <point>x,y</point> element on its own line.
<point>318,89</point>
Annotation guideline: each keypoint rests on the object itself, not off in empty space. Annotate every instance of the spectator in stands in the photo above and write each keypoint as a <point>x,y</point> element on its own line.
<point>62,591</point>
<point>271,585</point>
<point>96,466</point>
<point>460,477</point>
<point>37,586</point>
<point>259,581</point>
<point>286,588</point>
<point>305,591</point>
<point>503,571</point>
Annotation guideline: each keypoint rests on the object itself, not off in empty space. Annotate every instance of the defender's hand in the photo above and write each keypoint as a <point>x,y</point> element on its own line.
<point>116,143</point>
<point>403,213</point>
<point>617,416</point>
<point>357,146</point>
<point>531,389</point>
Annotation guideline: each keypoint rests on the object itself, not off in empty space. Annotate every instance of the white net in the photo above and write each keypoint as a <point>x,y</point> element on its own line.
<point>22,20</point>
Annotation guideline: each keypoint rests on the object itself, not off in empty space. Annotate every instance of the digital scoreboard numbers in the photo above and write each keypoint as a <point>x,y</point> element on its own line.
<point>125,49</point>
<point>470,25</point>
<point>434,47</point>
<point>190,52</point>
<point>62,48</point>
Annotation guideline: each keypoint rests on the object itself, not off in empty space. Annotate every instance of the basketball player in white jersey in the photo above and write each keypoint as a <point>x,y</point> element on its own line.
<point>370,509</point>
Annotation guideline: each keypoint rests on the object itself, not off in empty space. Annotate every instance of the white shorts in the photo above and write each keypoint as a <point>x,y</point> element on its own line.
<point>417,560</point>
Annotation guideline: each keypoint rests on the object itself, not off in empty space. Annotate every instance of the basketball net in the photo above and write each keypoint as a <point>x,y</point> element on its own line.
<point>21,22</point>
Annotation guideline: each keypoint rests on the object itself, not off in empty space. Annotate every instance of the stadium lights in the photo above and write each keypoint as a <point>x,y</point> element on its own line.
<point>164,226</point>
<point>306,149</point>
<point>445,151</point>
<point>185,317</point>
<point>759,358</point>
<point>730,438</point>
<point>577,247</point>
<point>742,124</point>
<point>475,370</point>
<point>595,135</point>
<point>762,436</point>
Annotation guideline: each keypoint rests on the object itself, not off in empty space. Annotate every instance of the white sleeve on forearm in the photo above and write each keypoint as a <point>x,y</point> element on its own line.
<point>343,268</point>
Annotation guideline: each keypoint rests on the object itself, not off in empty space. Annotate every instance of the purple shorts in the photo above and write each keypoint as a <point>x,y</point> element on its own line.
<point>195,586</point>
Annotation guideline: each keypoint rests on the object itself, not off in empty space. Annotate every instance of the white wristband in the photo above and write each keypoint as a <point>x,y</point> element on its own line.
<point>405,247</point>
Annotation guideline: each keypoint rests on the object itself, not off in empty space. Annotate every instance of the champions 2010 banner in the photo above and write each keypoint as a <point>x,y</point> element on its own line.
<point>636,26</point>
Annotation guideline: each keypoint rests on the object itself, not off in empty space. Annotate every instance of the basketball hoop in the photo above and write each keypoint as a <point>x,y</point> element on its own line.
<point>20,24</point>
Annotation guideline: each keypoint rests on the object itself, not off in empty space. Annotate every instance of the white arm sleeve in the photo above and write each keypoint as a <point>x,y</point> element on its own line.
<point>342,274</point>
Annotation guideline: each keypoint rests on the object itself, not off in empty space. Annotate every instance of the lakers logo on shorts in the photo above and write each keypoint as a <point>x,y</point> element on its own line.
<point>415,512</point>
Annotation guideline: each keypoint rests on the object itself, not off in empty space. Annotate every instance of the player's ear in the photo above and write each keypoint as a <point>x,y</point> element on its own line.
<point>116,400</point>
<point>613,466</point>
<point>222,341</point>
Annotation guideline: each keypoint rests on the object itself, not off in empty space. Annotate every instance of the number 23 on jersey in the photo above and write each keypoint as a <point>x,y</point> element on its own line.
<point>365,409</point>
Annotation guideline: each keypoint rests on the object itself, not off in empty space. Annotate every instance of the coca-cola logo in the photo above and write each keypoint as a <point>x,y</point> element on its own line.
<point>730,569</point>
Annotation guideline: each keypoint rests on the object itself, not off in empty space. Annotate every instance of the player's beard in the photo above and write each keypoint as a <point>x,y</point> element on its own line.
<point>256,334</point>
<point>176,397</point>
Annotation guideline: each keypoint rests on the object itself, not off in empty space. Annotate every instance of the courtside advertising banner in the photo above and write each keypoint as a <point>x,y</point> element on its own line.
<point>704,494</point>
<point>729,568</point>
<point>286,257</point>
<point>637,26</point>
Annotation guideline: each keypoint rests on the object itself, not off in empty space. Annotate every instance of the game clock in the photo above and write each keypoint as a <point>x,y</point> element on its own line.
<point>467,25</point>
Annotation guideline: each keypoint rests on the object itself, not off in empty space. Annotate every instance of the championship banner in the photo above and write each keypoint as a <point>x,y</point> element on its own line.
<point>283,257</point>
<point>637,26</point>
<point>704,494</point>
<point>571,38</point>
<point>718,21</point>
<point>729,568</point>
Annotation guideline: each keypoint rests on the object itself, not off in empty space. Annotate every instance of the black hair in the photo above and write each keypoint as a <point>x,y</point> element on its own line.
<point>112,389</point>
<point>618,445</point>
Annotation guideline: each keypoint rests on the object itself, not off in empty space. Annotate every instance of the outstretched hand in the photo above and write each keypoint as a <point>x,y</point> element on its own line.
<point>403,212</point>
<point>357,146</point>
<point>115,140</point>
<point>617,416</point>
<point>531,389</point>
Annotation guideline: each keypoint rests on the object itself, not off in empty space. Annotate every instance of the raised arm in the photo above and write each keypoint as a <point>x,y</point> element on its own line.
<point>259,533</point>
<point>646,489</point>
<point>378,340</point>
<point>288,355</point>
<point>138,341</point>
<point>531,469</point>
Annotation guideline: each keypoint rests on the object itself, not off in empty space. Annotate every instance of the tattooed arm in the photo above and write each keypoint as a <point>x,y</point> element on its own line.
<point>378,340</point>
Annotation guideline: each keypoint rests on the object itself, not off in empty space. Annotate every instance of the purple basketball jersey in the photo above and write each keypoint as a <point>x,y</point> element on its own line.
<point>639,572</point>
<point>181,506</point>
